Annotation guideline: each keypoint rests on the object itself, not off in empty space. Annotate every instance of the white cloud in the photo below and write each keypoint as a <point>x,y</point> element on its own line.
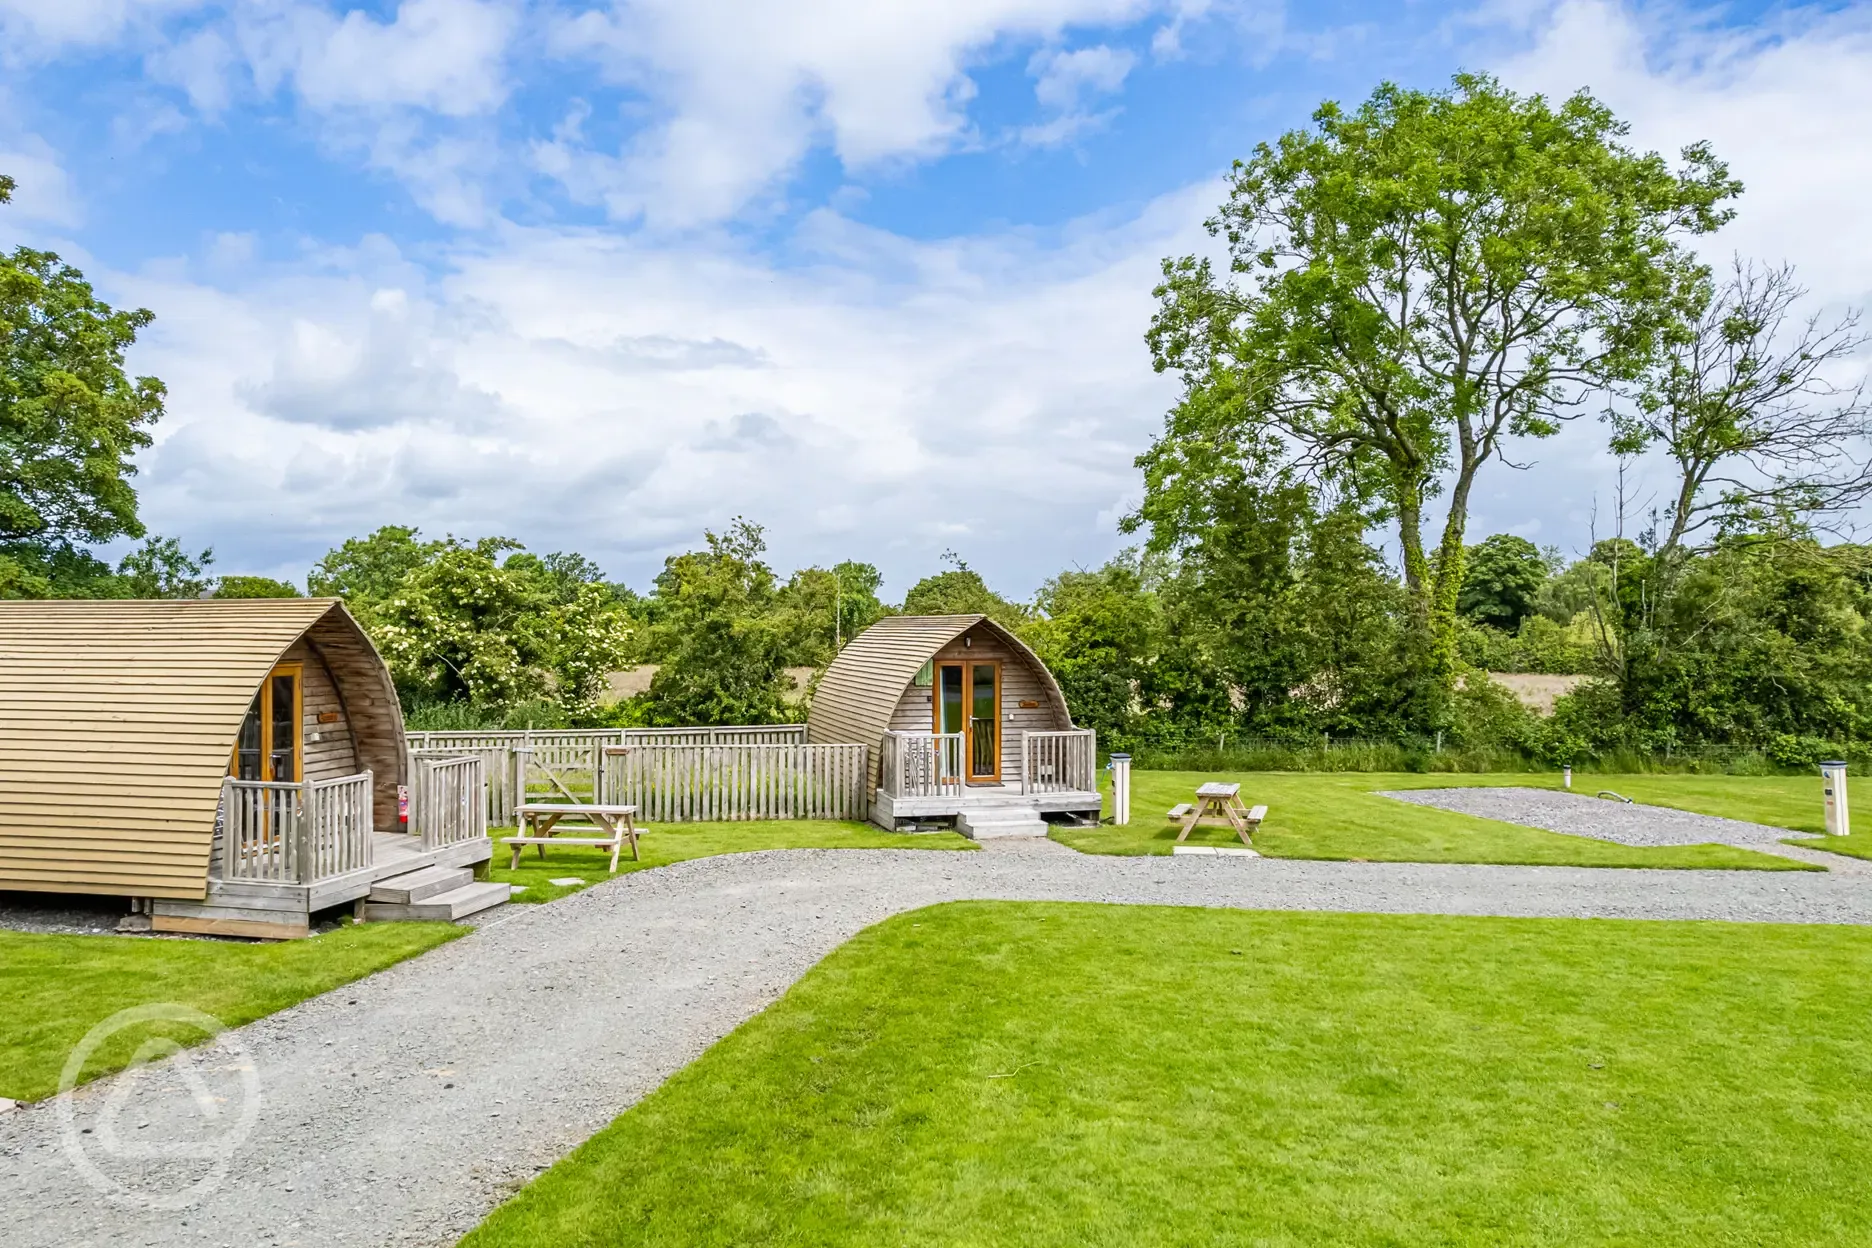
<point>443,56</point>
<point>44,193</point>
<point>582,390</point>
<point>740,90</point>
<point>38,28</point>
<point>1063,81</point>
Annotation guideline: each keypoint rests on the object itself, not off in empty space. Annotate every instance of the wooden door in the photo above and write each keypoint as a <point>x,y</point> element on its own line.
<point>968,701</point>
<point>270,745</point>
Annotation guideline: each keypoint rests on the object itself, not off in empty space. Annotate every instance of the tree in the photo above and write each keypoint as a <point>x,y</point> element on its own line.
<point>366,571</point>
<point>1743,404</point>
<point>1418,283</point>
<point>70,417</point>
<point>961,591</point>
<point>254,587</point>
<point>1098,633</point>
<point>160,568</point>
<point>722,657</point>
<point>1502,581</point>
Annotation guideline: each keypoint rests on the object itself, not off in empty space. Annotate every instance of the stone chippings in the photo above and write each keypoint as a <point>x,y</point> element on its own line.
<point>1577,814</point>
<point>402,1108</point>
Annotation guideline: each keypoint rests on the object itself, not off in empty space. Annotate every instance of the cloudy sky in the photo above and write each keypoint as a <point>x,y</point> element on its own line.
<point>872,274</point>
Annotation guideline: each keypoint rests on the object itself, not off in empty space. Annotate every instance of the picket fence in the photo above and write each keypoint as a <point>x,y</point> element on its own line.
<point>706,783</point>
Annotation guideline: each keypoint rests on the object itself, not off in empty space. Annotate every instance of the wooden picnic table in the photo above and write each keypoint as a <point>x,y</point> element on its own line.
<point>1218,800</point>
<point>541,819</point>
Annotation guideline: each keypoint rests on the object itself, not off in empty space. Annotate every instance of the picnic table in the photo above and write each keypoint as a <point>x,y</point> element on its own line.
<point>541,821</point>
<point>1217,800</point>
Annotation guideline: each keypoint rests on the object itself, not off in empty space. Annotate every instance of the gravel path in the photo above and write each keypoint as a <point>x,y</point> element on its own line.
<point>61,916</point>
<point>1576,814</point>
<point>400,1110</point>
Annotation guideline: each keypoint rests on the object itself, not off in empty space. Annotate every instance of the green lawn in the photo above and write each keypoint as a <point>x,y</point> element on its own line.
<point>665,843</point>
<point>986,1073</point>
<point>57,987</point>
<point>1336,815</point>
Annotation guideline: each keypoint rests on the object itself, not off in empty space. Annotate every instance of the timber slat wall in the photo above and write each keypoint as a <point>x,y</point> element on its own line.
<point>116,722</point>
<point>867,691</point>
<point>707,783</point>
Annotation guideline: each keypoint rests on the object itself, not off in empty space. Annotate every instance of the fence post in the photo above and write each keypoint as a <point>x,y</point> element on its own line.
<point>1121,789</point>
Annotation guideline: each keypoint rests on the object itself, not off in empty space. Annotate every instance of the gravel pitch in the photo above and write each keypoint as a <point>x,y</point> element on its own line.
<point>1576,814</point>
<point>401,1109</point>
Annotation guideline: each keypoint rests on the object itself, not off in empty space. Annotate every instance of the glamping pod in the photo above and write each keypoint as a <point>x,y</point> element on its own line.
<point>961,720</point>
<point>233,765</point>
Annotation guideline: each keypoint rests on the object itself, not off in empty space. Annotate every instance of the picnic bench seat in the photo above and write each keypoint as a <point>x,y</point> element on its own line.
<point>543,819</point>
<point>1219,800</point>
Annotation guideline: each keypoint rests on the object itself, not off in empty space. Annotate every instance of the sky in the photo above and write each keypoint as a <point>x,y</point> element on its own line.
<point>873,275</point>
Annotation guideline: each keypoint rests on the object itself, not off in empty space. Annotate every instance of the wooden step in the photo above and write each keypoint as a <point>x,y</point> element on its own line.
<point>401,890</point>
<point>456,904</point>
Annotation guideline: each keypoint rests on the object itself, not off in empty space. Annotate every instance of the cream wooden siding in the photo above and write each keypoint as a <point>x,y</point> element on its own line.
<point>328,748</point>
<point>116,723</point>
<point>867,692</point>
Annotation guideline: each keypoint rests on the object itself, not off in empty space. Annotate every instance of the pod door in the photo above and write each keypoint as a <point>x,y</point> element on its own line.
<point>968,703</point>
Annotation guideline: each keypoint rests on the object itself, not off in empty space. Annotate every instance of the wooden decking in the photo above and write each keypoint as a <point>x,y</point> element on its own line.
<point>279,911</point>
<point>887,810</point>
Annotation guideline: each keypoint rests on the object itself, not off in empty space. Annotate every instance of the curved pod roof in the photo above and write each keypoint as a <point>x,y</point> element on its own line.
<point>117,719</point>
<point>861,689</point>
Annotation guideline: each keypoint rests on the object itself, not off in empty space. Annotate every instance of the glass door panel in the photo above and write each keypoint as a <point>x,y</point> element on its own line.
<point>985,721</point>
<point>283,728</point>
<point>247,748</point>
<point>949,701</point>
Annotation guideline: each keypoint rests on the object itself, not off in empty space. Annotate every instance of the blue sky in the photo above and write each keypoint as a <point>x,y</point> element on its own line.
<point>873,275</point>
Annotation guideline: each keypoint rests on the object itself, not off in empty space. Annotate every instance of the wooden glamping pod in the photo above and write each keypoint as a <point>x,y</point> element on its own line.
<point>962,721</point>
<point>233,766</point>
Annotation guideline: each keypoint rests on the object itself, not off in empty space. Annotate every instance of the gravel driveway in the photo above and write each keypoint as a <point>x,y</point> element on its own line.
<point>401,1109</point>
<point>1576,814</point>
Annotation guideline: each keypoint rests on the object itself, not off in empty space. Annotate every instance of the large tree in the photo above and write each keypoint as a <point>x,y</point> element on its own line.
<point>70,417</point>
<point>1412,286</point>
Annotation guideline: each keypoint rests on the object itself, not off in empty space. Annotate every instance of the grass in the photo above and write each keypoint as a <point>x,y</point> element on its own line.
<point>1338,816</point>
<point>994,1073</point>
<point>665,843</point>
<point>57,987</point>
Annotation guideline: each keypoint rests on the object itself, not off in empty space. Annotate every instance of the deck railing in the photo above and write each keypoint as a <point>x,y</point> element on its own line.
<point>921,764</point>
<point>1054,762</point>
<point>700,783</point>
<point>293,833</point>
<point>448,799</point>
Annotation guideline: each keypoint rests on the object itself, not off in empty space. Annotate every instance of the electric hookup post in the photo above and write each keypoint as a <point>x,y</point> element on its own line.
<point>1833,785</point>
<point>1121,789</point>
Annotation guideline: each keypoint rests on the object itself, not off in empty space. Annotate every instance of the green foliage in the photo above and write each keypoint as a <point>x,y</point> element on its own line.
<point>721,648</point>
<point>367,571</point>
<point>482,626</point>
<point>1503,577</point>
<point>1412,286</point>
<point>255,587</point>
<point>961,591</point>
<point>160,568</point>
<point>1098,632</point>
<point>70,417</point>
<point>1539,645</point>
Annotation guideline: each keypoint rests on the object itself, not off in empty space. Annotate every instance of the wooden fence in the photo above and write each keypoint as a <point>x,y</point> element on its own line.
<point>293,833</point>
<point>1055,762</point>
<point>704,783</point>
<point>921,764</point>
<point>448,799</point>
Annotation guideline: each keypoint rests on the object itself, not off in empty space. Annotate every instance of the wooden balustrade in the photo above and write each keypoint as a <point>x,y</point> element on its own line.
<point>448,799</point>
<point>701,783</point>
<point>922,764</point>
<point>293,833</point>
<point>1055,762</point>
